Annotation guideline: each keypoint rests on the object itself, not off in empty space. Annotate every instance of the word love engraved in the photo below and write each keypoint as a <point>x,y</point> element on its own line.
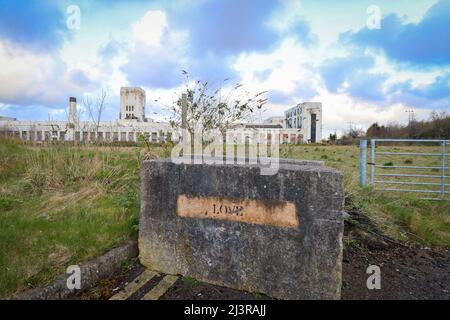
<point>276,213</point>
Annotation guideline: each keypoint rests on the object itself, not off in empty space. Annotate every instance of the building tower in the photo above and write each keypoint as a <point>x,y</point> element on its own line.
<point>72,110</point>
<point>69,134</point>
<point>132,104</point>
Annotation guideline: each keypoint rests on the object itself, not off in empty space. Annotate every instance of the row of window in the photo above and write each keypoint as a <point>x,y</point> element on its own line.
<point>114,136</point>
<point>292,138</point>
<point>293,113</point>
<point>129,108</point>
<point>294,123</point>
<point>81,136</point>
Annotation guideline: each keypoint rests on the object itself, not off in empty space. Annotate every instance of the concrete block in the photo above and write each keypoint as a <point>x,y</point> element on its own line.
<point>280,235</point>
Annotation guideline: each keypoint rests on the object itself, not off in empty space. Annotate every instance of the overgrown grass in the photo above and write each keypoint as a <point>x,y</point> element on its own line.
<point>406,217</point>
<point>62,205</point>
<point>403,216</point>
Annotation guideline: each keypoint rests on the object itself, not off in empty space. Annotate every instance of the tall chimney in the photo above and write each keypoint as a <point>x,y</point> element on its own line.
<point>72,110</point>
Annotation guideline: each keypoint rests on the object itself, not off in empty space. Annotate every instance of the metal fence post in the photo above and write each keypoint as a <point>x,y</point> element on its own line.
<point>372,162</point>
<point>443,169</point>
<point>362,161</point>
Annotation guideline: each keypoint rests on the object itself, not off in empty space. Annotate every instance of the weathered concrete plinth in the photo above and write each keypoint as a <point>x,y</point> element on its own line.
<point>280,235</point>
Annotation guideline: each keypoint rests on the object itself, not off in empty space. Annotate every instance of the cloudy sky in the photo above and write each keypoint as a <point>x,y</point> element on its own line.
<point>361,68</point>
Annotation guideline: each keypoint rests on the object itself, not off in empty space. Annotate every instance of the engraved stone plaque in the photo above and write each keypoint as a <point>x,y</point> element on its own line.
<point>276,213</point>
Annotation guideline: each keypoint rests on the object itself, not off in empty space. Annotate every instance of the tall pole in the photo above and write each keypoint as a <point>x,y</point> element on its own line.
<point>362,161</point>
<point>410,115</point>
<point>184,111</point>
<point>372,163</point>
<point>443,169</point>
<point>187,151</point>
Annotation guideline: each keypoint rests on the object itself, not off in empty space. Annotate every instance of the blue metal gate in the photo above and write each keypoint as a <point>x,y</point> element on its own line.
<point>427,178</point>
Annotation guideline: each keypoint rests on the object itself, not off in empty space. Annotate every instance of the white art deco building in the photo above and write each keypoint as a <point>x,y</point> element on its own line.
<point>131,123</point>
<point>307,118</point>
<point>301,124</point>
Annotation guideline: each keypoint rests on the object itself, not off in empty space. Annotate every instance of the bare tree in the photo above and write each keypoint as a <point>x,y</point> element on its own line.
<point>215,108</point>
<point>95,108</point>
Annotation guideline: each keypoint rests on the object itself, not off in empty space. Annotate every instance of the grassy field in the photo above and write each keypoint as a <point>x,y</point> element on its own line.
<point>62,205</point>
<point>403,216</point>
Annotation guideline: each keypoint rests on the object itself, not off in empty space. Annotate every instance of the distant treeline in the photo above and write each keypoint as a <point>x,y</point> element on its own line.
<point>437,127</point>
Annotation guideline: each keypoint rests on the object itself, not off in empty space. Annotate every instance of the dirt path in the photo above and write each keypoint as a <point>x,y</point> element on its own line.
<point>407,272</point>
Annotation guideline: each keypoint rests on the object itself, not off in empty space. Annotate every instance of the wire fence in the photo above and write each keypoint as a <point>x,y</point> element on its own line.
<point>407,165</point>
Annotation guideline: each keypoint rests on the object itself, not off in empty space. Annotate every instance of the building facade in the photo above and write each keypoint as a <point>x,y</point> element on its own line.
<point>307,118</point>
<point>131,123</point>
<point>301,124</point>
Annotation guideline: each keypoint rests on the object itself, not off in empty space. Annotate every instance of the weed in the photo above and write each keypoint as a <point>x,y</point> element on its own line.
<point>191,282</point>
<point>348,242</point>
<point>258,295</point>
<point>344,284</point>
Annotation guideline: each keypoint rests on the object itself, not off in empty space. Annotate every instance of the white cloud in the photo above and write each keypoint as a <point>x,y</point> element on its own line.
<point>287,67</point>
<point>290,12</point>
<point>151,28</point>
<point>30,78</point>
<point>291,66</point>
<point>340,111</point>
<point>398,74</point>
<point>21,70</point>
